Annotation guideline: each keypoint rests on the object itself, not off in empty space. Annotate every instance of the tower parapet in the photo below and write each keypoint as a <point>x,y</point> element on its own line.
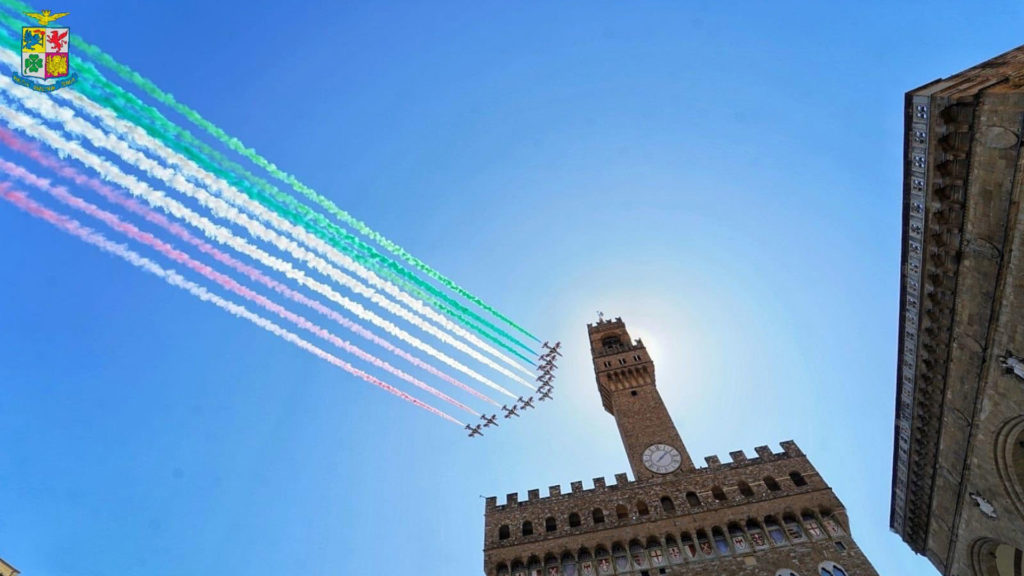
<point>773,508</point>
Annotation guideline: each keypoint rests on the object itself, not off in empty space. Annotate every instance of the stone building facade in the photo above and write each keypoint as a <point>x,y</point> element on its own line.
<point>767,515</point>
<point>6,569</point>
<point>958,463</point>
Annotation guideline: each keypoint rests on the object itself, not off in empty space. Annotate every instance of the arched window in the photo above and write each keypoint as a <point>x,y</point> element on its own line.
<point>718,493</point>
<point>771,484</point>
<point>786,572</point>
<point>737,539</point>
<point>549,524</point>
<point>721,543</point>
<point>811,524</point>
<point>793,529</point>
<point>518,567</point>
<point>704,543</point>
<point>598,515</point>
<point>745,489</point>
<point>692,499</point>
<point>641,508</point>
<point>503,532</point>
<point>620,557</point>
<point>586,560</point>
<point>667,505</point>
<point>778,537</point>
<point>757,537</point>
<point>675,554</point>
<point>797,478</point>
<point>611,342</point>
<point>527,528</point>
<point>568,564</point>
<point>689,545</point>
<point>831,569</point>
<point>621,512</point>
<point>501,569</point>
<point>533,565</point>
<point>574,520</point>
<point>636,553</point>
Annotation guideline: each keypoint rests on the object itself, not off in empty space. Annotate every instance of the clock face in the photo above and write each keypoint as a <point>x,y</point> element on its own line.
<point>661,458</point>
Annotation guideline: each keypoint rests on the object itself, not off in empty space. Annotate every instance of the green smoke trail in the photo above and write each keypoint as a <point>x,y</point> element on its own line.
<point>130,75</point>
<point>169,133</point>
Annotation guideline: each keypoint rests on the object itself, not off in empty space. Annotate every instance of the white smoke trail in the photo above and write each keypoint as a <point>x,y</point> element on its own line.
<point>141,140</point>
<point>108,171</point>
<point>47,108</point>
<point>170,276</point>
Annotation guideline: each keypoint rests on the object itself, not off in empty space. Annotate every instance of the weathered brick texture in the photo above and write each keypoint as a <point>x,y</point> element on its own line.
<point>747,515</point>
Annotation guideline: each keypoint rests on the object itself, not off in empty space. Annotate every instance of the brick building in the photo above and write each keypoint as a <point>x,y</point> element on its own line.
<point>958,465</point>
<point>769,515</point>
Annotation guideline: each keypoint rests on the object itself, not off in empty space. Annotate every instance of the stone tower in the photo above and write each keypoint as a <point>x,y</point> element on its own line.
<point>770,515</point>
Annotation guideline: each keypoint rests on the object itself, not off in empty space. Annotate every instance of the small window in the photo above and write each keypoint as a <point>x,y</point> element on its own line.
<point>786,572</point>
<point>607,363</point>
<point>621,512</point>
<point>574,520</point>
<point>771,484</point>
<point>622,361</point>
<point>632,392</point>
<point>692,499</point>
<point>797,478</point>
<point>667,505</point>
<point>598,515</point>
<point>641,508</point>
<point>719,494</point>
<point>840,546</point>
<point>503,532</point>
<point>745,489</point>
<point>637,358</point>
<point>527,528</point>
<point>549,524</point>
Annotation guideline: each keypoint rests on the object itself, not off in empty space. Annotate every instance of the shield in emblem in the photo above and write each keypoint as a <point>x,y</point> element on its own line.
<point>44,52</point>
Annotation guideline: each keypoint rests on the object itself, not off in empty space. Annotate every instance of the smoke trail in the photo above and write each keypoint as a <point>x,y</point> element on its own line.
<point>45,107</point>
<point>108,193</point>
<point>127,74</point>
<point>90,236</point>
<point>129,230</point>
<point>159,200</point>
<point>134,134</point>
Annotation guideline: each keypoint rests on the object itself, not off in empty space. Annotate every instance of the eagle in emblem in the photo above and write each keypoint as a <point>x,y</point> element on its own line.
<point>44,17</point>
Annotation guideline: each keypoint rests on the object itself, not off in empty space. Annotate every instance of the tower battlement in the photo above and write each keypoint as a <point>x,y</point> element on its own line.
<point>772,508</point>
<point>738,459</point>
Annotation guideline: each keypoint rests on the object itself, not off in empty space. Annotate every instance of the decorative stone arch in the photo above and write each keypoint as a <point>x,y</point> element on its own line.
<point>1010,460</point>
<point>830,568</point>
<point>993,558</point>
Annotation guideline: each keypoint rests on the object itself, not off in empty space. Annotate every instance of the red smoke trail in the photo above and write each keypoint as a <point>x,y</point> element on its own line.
<point>73,227</point>
<point>226,282</point>
<point>113,196</point>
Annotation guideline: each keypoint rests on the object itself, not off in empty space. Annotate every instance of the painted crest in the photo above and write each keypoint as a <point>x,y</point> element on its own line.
<point>45,54</point>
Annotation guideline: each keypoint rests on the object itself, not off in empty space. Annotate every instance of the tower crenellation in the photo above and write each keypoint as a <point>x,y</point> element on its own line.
<point>736,516</point>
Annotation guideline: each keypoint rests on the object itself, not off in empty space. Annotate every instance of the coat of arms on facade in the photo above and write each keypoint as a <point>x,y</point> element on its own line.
<point>45,54</point>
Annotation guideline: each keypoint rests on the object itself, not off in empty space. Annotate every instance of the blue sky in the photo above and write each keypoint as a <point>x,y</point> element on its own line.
<point>725,177</point>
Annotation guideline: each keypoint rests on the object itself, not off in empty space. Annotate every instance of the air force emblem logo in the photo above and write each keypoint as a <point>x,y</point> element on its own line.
<point>45,60</point>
